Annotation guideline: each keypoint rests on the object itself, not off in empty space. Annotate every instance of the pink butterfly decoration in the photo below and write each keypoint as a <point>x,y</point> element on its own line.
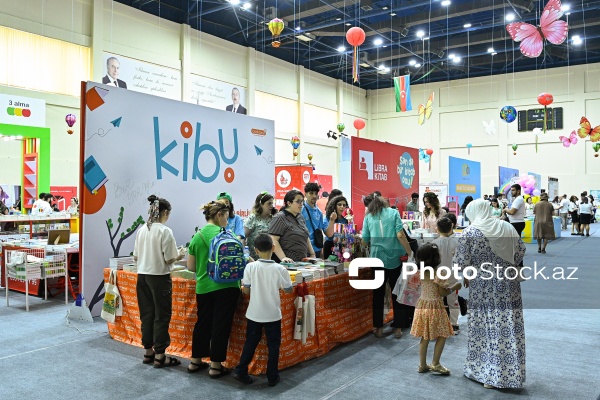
<point>552,28</point>
<point>567,141</point>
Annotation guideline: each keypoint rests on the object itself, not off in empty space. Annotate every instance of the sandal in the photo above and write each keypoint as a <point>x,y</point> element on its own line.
<point>426,368</point>
<point>222,372</point>
<point>161,362</point>
<point>398,333</point>
<point>148,359</point>
<point>440,369</point>
<point>199,367</point>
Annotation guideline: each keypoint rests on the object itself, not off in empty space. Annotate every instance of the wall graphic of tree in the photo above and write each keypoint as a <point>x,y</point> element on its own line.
<point>98,296</point>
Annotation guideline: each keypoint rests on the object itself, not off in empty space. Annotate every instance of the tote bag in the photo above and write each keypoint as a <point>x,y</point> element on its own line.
<point>112,306</point>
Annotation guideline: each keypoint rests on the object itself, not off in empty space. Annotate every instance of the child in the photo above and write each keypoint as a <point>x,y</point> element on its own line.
<point>431,321</point>
<point>447,244</point>
<point>264,278</point>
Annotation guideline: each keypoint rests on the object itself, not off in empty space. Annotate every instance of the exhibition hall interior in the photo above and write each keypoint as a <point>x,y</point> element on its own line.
<point>317,198</point>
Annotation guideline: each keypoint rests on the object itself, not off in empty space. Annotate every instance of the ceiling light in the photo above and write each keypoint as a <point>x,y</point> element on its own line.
<point>341,49</point>
<point>412,62</point>
<point>490,50</point>
<point>247,5</point>
<point>446,3</point>
<point>378,42</point>
<point>348,24</point>
<point>426,38</point>
<point>510,17</point>
<point>467,25</point>
<point>456,60</point>
<point>382,67</point>
<point>305,37</point>
<point>494,53</point>
<point>298,28</point>
<point>420,34</point>
<point>577,39</point>
<point>392,14</point>
<point>384,46</point>
<point>451,56</point>
<point>417,65</point>
<point>565,7</point>
<point>338,19</point>
<point>384,8</point>
<point>234,2</point>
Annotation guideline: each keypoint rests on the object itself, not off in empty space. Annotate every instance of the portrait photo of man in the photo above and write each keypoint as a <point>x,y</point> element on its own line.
<point>112,73</point>
<point>236,107</point>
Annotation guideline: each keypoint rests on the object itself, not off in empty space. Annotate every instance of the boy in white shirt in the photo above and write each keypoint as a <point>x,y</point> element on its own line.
<point>447,244</point>
<point>263,278</point>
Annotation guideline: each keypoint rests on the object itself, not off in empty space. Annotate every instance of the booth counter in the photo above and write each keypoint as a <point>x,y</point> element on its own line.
<point>343,314</point>
<point>527,234</point>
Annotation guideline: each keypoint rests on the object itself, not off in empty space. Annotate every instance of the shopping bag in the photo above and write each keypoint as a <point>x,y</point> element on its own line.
<point>299,320</point>
<point>308,321</point>
<point>112,306</point>
<point>408,290</point>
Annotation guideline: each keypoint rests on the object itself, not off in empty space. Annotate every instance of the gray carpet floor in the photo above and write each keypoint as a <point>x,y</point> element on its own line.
<point>45,357</point>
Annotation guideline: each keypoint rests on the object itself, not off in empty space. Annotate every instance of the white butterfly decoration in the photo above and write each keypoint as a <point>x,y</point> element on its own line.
<point>490,128</point>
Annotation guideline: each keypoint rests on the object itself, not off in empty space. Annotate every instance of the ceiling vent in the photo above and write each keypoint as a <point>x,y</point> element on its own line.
<point>366,5</point>
<point>270,13</point>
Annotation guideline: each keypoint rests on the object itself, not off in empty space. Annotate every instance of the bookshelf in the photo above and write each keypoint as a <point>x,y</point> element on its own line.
<point>30,180</point>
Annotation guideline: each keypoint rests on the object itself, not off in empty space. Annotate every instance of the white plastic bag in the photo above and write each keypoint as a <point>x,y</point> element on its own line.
<point>112,306</point>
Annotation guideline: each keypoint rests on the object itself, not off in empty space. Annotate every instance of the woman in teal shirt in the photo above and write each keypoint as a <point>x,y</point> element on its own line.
<point>216,302</point>
<point>496,210</point>
<point>382,230</point>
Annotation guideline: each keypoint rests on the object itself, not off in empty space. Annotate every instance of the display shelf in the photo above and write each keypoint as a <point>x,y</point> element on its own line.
<point>36,225</point>
<point>30,179</point>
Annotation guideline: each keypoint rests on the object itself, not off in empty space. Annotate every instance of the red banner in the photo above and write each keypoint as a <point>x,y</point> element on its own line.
<point>326,182</point>
<point>288,177</point>
<point>391,169</point>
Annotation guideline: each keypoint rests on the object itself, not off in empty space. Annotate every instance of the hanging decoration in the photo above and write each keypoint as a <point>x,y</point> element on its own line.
<point>536,132</point>
<point>571,139</point>
<point>310,157</point>
<point>490,128</point>
<point>295,142</point>
<point>551,28</point>
<point>359,124</point>
<point>515,147</point>
<point>429,153</point>
<point>426,110</point>
<point>545,99</point>
<point>508,114</point>
<point>586,130</point>
<point>341,127</point>
<point>426,158</point>
<point>596,148</point>
<point>276,26</point>
<point>355,36</point>
<point>527,183</point>
<point>469,145</point>
<point>70,119</point>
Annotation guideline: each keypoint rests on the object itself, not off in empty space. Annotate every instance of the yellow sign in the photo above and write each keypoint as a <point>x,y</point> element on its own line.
<point>460,188</point>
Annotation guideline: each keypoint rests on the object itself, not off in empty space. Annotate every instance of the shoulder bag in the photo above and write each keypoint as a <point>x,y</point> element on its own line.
<point>318,233</point>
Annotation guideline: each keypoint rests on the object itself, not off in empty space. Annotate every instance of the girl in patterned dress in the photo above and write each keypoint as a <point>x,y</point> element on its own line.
<point>431,320</point>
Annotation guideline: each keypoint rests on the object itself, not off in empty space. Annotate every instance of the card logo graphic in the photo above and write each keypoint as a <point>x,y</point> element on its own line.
<point>306,176</point>
<point>284,178</point>
<point>365,163</point>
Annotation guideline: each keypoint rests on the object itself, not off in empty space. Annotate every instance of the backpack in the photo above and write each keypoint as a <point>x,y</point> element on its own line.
<point>226,261</point>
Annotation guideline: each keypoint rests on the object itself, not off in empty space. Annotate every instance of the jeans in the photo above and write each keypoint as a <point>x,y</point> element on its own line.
<point>155,303</point>
<point>563,219</point>
<point>253,336</point>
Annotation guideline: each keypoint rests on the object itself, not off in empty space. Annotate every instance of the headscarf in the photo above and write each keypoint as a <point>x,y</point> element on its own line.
<point>153,213</point>
<point>503,238</point>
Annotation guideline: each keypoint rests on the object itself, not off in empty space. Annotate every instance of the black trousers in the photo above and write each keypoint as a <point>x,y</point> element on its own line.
<point>154,293</point>
<point>215,317</point>
<point>253,336</point>
<point>403,314</point>
<point>519,226</point>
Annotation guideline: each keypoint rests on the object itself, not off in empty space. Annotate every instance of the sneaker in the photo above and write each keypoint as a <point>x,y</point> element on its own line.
<point>243,378</point>
<point>456,329</point>
<point>274,383</point>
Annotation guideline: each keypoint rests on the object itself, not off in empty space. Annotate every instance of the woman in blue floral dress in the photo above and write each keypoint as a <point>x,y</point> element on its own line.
<point>496,345</point>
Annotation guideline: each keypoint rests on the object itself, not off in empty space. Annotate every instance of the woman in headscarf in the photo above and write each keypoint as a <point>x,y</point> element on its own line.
<point>496,345</point>
<point>543,226</point>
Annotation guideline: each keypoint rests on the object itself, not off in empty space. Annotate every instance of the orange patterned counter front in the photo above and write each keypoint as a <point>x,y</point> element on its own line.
<point>343,314</point>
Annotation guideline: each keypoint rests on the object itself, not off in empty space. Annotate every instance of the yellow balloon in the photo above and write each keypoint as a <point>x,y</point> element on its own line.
<point>276,26</point>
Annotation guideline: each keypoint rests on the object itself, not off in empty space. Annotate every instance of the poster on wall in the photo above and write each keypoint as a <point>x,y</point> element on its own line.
<point>19,110</point>
<point>440,189</point>
<point>10,194</point>
<point>140,76</point>
<point>538,180</point>
<point>465,178</point>
<point>290,177</point>
<point>216,94</point>
<point>391,169</point>
<point>182,152</point>
<point>507,177</point>
<point>552,187</point>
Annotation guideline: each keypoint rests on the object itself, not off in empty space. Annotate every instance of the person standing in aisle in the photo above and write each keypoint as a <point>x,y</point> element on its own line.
<point>516,213</point>
<point>574,211</point>
<point>215,302</point>
<point>543,226</point>
<point>155,251</point>
<point>585,216</point>
<point>317,226</point>
<point>563,211</point>
<point>262,281</point>
<point>432,212</point>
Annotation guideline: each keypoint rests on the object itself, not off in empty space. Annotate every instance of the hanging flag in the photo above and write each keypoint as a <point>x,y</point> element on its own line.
<point>402,85</point>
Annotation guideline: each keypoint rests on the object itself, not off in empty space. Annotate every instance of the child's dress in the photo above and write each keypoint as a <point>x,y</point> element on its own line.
<point>431,320</point>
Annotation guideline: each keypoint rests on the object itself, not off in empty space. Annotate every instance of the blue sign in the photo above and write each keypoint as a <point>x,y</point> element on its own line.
<point>406,170</point>
<point>465,179</point>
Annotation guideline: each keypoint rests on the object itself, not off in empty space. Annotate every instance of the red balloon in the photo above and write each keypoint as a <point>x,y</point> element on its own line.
<point>359,123</point>
<point>355,36</point>
<point>429,151</point>
<point>545,99</point>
